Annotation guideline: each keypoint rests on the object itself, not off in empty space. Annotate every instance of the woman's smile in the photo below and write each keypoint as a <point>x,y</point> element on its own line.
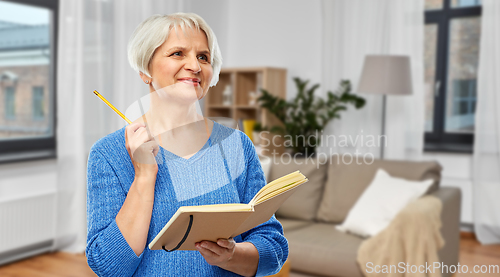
<point>190,81</point>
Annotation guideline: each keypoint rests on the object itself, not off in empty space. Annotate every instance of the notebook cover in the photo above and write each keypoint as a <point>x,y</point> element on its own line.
<point>206,226</point>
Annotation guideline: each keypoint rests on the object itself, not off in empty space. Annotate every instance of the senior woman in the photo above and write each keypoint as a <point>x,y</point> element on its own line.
<point>129,198</point>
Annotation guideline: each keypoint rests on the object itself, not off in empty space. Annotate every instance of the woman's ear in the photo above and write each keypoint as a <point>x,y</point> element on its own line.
<point>145,78</point>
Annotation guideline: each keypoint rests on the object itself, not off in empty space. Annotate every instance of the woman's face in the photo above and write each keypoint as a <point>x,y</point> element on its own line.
<point>182,64</point>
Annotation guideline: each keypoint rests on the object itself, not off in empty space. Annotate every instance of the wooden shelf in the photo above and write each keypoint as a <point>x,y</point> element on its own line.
<point>246,107</point>
<point>220,107</point>
<point>242,82</point>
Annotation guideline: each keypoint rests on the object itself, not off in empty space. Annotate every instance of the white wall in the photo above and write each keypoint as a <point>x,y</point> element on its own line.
<point>24,179</point>
<point>275,33</point>
<point>216,14</point>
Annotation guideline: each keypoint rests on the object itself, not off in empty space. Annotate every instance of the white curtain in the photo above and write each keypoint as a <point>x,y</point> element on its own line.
<point>92,46</point>
<point>486,182</point>
<point>353,29</point>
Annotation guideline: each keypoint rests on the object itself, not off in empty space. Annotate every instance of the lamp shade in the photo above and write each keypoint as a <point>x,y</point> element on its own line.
<point>386,74</point>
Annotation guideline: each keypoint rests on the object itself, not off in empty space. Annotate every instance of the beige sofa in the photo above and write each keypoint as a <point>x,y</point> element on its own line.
<point>310,214</point>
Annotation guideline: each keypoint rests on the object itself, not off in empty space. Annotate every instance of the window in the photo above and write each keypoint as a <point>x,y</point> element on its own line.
<point>28,32</point>
<point>10,106</point>
<point>452,33</point>
<point>38,109</point>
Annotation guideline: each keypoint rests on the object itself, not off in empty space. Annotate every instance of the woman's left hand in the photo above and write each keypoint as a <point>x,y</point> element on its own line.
<point>219,253</point>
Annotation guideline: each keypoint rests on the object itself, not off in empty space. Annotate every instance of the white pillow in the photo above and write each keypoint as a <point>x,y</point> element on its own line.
<point>380,202</point>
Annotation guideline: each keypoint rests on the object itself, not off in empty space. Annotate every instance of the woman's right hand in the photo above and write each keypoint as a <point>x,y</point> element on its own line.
<point>142,150</point>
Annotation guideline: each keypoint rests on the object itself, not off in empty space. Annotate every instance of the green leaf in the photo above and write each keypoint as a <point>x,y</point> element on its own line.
<point>305,114</point>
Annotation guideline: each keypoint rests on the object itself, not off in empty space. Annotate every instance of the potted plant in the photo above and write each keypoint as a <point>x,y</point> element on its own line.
<point>305,116</point>
<point>257,129</point>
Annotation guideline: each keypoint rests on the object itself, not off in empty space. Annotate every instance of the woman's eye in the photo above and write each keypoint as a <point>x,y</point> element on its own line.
<point>178,53</point>
<point>203,57</point>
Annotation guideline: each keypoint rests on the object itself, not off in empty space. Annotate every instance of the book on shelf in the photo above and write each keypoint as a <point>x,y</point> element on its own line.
<point>191,224</point>
<point>248,126</point>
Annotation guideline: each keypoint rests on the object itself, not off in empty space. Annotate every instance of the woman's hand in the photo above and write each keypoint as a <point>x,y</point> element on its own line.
<point>219,253</point>
<point>135,214</point>
<point>142,150</point>
<point>241,258</point>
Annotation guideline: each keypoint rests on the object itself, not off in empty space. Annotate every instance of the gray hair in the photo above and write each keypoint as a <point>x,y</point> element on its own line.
<point>153,32</point>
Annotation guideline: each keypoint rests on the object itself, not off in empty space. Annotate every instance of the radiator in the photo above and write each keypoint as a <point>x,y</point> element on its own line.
<point>27,226</point>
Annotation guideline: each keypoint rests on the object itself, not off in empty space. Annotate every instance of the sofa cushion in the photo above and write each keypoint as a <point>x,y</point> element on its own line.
<point>292,224</point>
<point>303,203</point>
<point>322,250</point>
<point>346,182</point>
<point>266,164</point>
<point>381,201</point>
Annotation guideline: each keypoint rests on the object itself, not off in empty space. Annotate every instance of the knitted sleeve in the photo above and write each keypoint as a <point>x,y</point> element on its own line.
<point>107,251</point>
<point>268,237</point>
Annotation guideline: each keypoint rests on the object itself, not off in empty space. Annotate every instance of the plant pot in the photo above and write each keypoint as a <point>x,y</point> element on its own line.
<point>256,138</point>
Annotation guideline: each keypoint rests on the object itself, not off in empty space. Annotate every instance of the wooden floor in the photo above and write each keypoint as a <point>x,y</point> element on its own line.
<point>65,265</point>
<point>472,253</point>
<point>57,264</point>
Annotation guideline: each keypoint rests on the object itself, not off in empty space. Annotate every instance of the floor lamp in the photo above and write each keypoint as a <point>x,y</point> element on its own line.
<point>385,75</point>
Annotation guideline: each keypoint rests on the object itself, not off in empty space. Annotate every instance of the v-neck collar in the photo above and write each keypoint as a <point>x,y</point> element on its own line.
<point>167,155</point>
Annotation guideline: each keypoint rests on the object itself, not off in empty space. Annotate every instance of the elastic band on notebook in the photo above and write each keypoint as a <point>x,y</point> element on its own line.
<point>185,235</point>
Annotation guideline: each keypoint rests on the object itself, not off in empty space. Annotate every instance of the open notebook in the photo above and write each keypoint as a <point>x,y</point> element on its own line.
<point>191,224</point>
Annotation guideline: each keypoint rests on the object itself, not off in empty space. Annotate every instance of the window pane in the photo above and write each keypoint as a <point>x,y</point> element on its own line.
<point>433,4</point>
<point>10,103</point>
<point>462,74</point>
<point>25,63</point>
<point>465,3</point>
<point>431,32</point>
<point>38,108</point>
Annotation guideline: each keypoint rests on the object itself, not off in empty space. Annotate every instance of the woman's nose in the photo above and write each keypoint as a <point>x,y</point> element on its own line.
<point>193,65</point>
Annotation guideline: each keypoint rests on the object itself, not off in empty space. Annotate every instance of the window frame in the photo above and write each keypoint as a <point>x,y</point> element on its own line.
<point>22,149</point>
<point>438,139</point>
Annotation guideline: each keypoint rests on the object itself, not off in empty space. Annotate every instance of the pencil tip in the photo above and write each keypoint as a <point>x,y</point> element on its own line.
<point>95,92</point>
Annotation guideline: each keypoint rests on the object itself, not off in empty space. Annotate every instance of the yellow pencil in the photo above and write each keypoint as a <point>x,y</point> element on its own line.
<point>112,107</point>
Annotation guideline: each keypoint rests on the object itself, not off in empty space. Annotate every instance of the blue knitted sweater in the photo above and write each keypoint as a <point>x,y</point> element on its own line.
<point>225,170</point>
